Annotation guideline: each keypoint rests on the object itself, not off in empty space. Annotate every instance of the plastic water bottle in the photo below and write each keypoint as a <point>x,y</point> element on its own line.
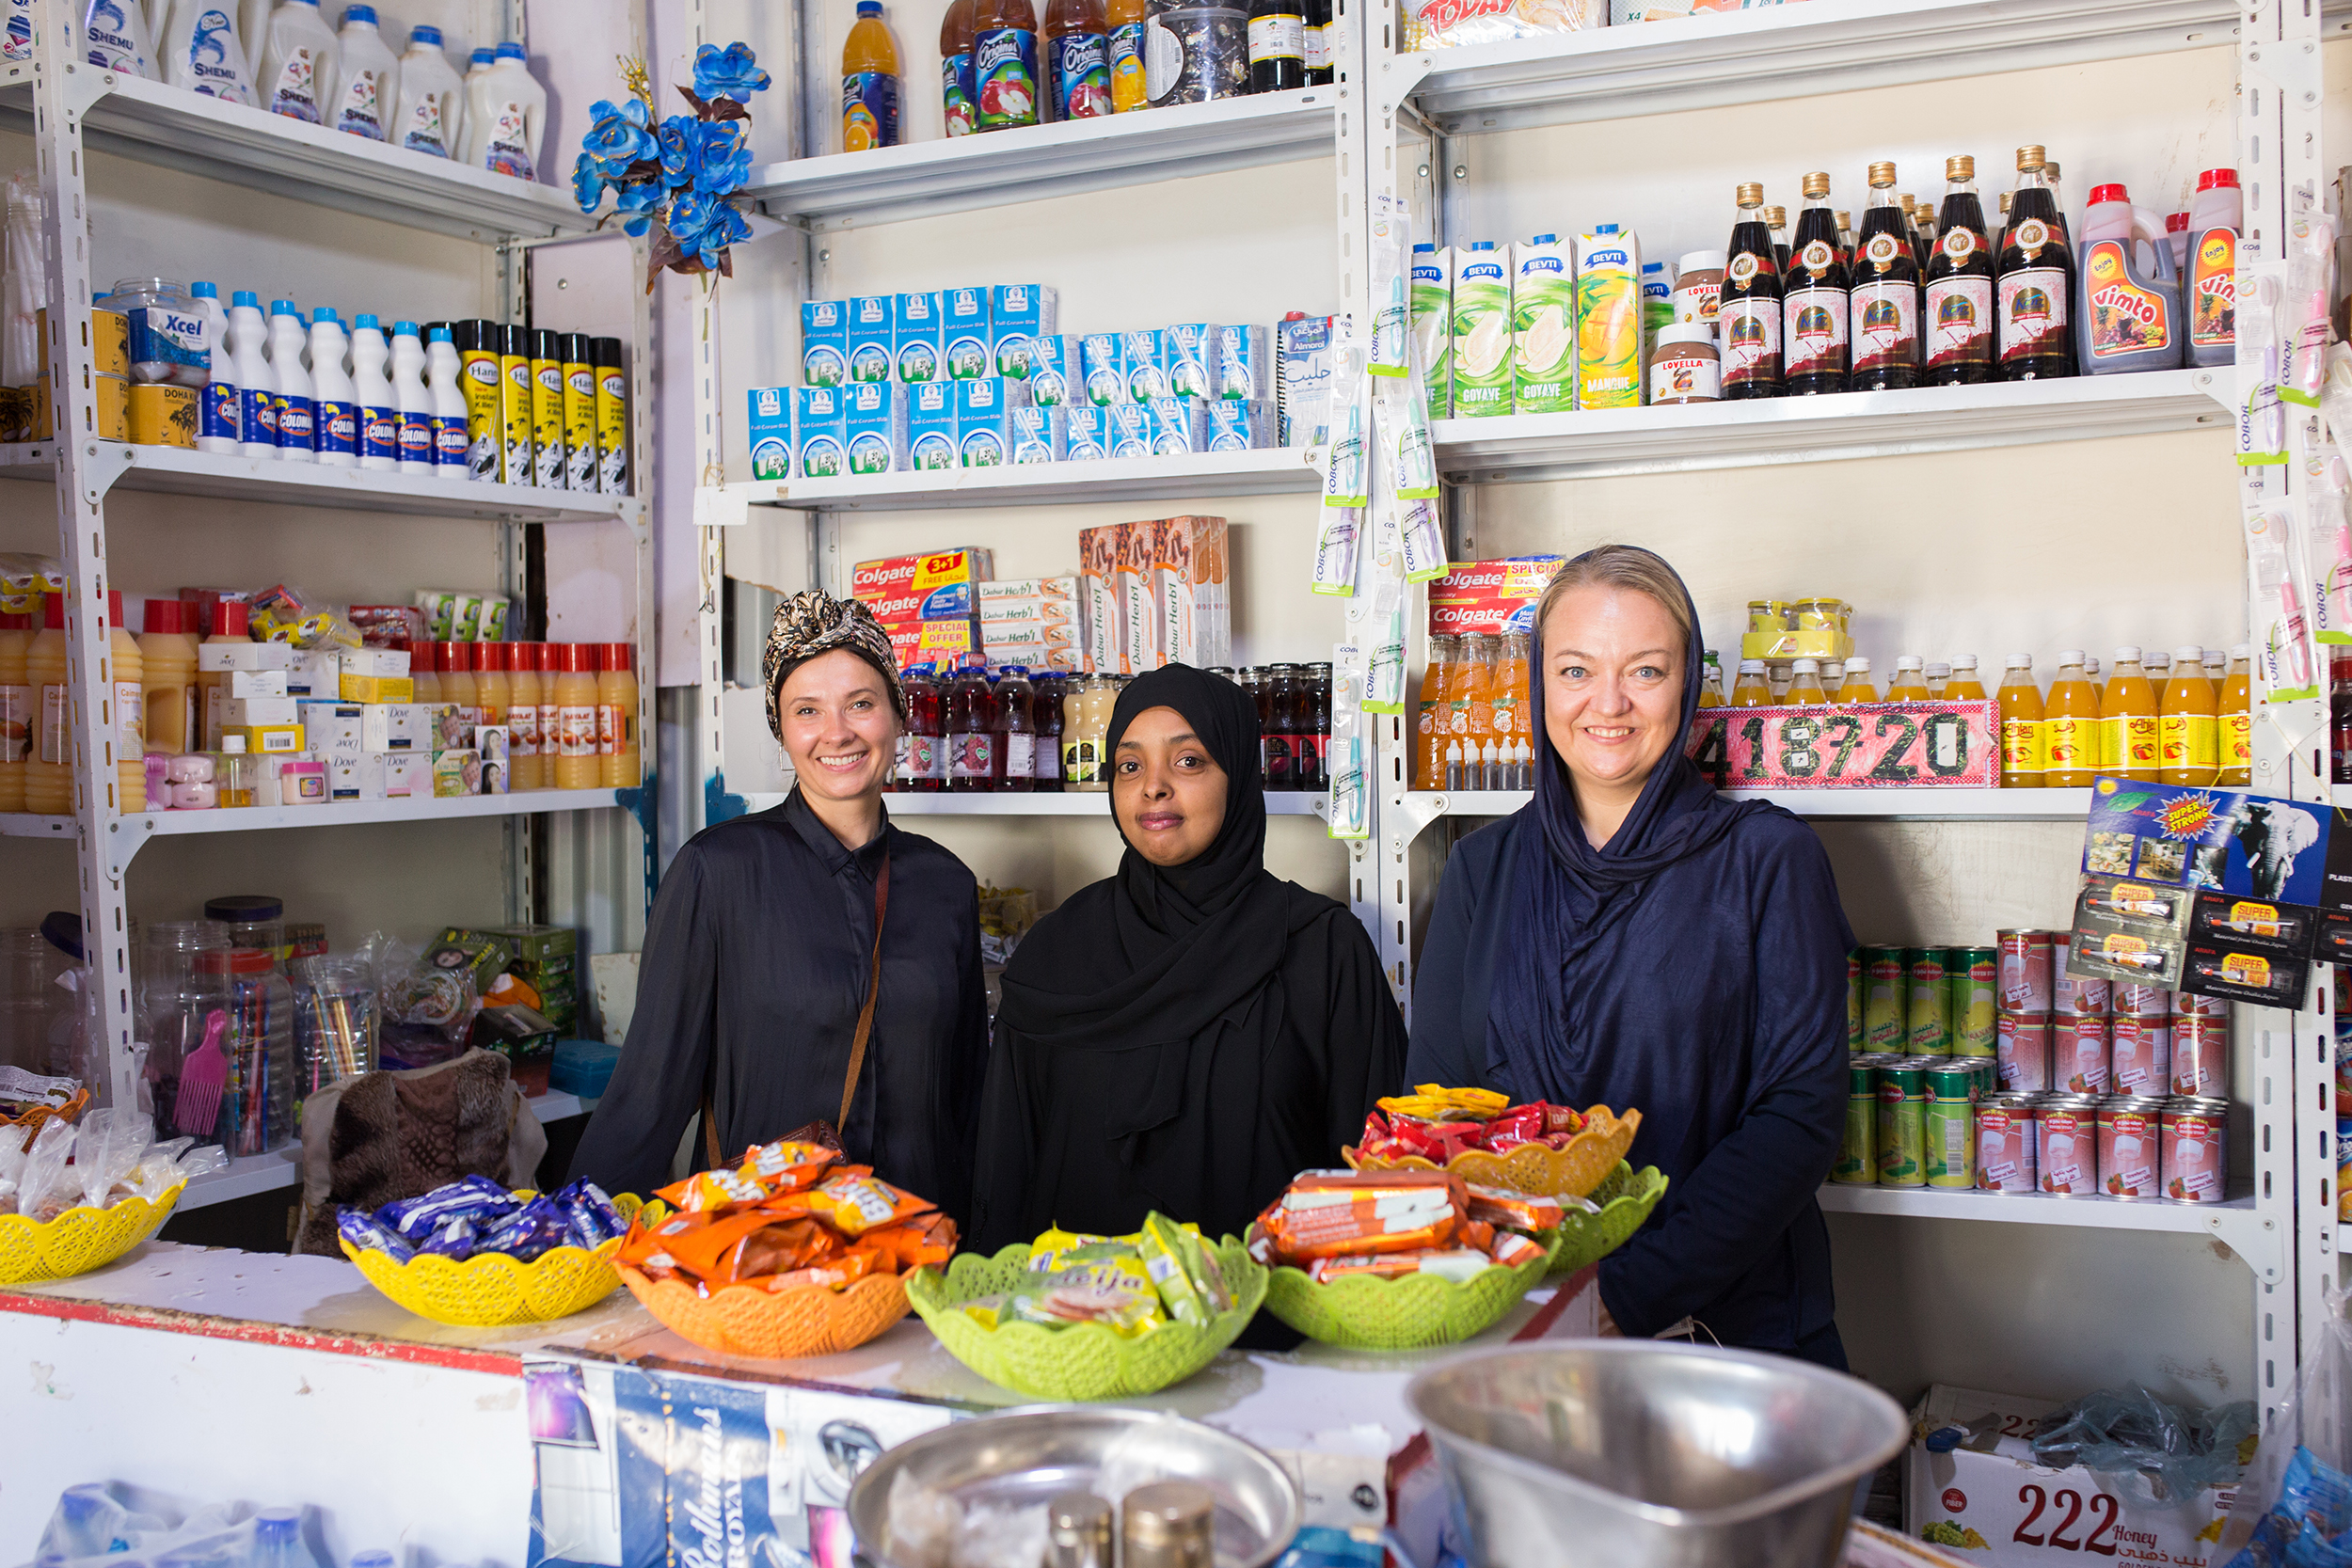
<point>371,389</point>
<point>432,112</point>
<point>220,423</point>
<point>290,384</point>
<point>297,63</point>
<point>114,37</point>
<point>452,441</point>
<point>338,400</point>
<point>367,77</point>
<point>249,339</point>
<point>414,405</point>
<point>278,1538</point>
<point>202,51</point>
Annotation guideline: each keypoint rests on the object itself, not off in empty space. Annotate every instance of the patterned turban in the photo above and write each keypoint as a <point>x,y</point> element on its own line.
<point>811,623</point>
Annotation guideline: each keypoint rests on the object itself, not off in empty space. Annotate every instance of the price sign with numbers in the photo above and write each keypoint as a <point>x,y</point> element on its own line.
<point>1860,746</point>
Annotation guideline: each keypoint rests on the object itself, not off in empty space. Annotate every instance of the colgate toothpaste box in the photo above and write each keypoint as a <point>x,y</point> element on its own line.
<point>948,644</point>
<point>1491,597</point>
<point>937,586</point>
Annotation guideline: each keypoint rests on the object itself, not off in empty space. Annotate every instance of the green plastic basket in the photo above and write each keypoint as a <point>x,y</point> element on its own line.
<point>1626,1198</point>
<point>1085,1361</point>
<point>1412,1312</point>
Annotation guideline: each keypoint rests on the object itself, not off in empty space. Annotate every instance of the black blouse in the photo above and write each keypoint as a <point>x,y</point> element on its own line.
<point>755,968</point>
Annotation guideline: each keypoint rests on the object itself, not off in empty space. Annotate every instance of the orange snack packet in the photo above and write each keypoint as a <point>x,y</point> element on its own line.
<point>1514,1211</point>
<point>648,1247</point>
<point>781,1245</point>
<point>853,1200</point>
<point>1512,1250</point>
<point>1333,1213</point>
<point>912,1243</point>
<point>704,1253</point>
<point>1475,1233</point>
<point>788,1165</point>
<point>1459,1264</point>
<point>711,1189</point>
<point>836,1274</point>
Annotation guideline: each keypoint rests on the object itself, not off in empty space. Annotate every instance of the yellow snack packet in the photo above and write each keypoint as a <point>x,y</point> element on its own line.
<point>985,1310</point>
<point>1163,1248</point>
<point>1045,1253</point>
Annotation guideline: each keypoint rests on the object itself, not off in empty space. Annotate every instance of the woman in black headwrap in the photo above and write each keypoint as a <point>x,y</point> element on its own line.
<point>1189,1034</point>
<point>812,963</point>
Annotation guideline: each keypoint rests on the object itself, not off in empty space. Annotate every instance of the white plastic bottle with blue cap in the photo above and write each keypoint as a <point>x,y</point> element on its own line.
<point>114,38</point>
<point>453,440</point>
<point>297,63</point>
<point>278,1539</point>
<point>432,112</point>
<point>412,402</point>
<point>478,63</point>
<point>220,412</point>
<point>338,401</point>
<point>290,384</point>
<point>249,358</point>
<point>201,51</point>
<point>367,78</point>
<point>507,109</point>
<point>253,26</point>
<point>371,389</point>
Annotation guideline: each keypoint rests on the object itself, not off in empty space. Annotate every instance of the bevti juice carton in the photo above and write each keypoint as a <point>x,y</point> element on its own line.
<point>1482,331</point>
<point>1607,319</point>
<point>1543,327</point>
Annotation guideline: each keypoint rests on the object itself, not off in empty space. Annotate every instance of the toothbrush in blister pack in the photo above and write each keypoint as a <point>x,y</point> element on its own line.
<point>2285,642</point>
<point>2303,328</point>
<point>1392,315</point>
<point>2261,426</point>
<point>1350,809</point>
<point>2324,487</point>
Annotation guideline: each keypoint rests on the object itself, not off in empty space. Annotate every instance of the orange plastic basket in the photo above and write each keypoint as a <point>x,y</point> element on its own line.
<point>1570,1172</point>
<point>746,1320</point>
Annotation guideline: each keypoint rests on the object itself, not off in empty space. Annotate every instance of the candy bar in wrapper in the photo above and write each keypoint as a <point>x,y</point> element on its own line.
<point>788,1166</point>
<point>589,1212</point>
<point>1511,1249</point>
<point>475,1197</point>
<point>368,1234</point>
<point>854,1201</point>
<point>1512,1211</point>
<point>711,1189</point>
<point>537,1228</point>
<point>1460,1265</point>
<point>455,1239</point>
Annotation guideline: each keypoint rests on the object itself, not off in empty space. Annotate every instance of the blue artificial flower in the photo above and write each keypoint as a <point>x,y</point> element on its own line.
<point>587,183</point>
<point>638,204</point>
<point>704,226</point>
<point>725,164</point>
<point>682,149</point>
<point>618,136</point>
<point>730,73</point>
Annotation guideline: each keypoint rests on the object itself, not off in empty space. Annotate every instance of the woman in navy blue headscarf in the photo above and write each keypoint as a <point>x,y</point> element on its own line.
<point>1632,938</point>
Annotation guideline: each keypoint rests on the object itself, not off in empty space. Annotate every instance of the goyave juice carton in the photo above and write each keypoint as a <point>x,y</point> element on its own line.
<point>1429,301</point>
<point>1543,327</point>
<point>1482,331</point>
<point>1607,319</point>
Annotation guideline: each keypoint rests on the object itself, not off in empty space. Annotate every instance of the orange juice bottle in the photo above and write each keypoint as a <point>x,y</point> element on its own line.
<point>2237,720</point>
<point>1939,675</point>
<point>49,762</point>
<point>2127,712</point>
<point>1805,686</point>
<point>2025,753</point>
<point>1712,682</point>
<point>1909,685</point>
<point>618,765</point>
<point>1454,719</point>
<point>1429,718</point>
<point>1961,684</point>
<point>1752,689</point>
<point>2188,725</point>
<point>576,764</point>
<point>1478,685</point>
<point>491,694</point>
<point>1854,686</point>
<point>869,82</point>
<point>527,767</point>
<point>128,667</point>
<point>2070,725</point>
<point>1514,676</point>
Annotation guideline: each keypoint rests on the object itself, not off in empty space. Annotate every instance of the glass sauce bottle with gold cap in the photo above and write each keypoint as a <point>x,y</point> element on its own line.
<point>2035,281</point>
<point>1959,307</point>
<point>1815,306</point>
<point>1885,292</point>
<point>1748,315</point>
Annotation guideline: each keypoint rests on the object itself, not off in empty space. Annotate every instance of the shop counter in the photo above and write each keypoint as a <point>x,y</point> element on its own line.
<point>213,1375</point>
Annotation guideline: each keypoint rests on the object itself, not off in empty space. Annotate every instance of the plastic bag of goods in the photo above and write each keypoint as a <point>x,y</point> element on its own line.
<point>1455,24</point>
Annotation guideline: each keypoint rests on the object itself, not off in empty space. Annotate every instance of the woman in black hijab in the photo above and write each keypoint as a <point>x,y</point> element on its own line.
<point>1189,1034</point>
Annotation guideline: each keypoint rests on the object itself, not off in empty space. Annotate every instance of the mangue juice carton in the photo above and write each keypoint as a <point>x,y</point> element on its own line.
<point>1607,319</point>
<point>1543,327</point>
<point>1430,303</point>
<point>1482,331</point>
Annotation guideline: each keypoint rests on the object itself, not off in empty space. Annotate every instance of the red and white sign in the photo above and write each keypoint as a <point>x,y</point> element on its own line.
<point>1857,746</point>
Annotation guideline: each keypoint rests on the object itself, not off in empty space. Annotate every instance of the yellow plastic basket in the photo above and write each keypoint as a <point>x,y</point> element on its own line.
<point>1411,1312</point>
<point>1570,1172</point>
<point>491,1290</point>
<point>79,1239</point>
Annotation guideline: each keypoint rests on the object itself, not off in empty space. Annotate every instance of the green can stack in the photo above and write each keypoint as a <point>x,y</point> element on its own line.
<point>1949,1123</point>
<point>1929,1002</point>
<point>1857,1157</point>
<point>1972,974</point>
<point>1902,1104</point>
<point>1886,991</point>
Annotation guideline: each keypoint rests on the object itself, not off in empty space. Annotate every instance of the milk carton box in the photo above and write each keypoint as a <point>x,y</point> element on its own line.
<point>984,420</point>
<point>931,425</point>
<point>1178,426</point>
<point>1086,433</point>
<point>1056,376</point>
<point>869,336</point>
<point>824,343</point>
<point>1146,364</point>
<point>820,447</point>
<point>772,432</point>
<point>1131,429</point>
<point>1482,331</point>
<point>1188,360</point>
<point>1543,327</point>
<point>1019,315</point>
<point>1302,380</point>
<point>1103,360</point>
<point>1608,325</point>
<point>1235,426</point>
<point>874,426</point>
<point>1245,367</point>
<point>1429,304</point>
<point>1038,435</point>
<point>969,352</point>
<point>918,338</point>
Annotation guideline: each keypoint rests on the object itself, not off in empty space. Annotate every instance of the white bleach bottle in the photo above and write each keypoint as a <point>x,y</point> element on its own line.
<point>203,53</point>
<point>248,336</point>
<point>452,441</point>
<point>114,38</point>
<point>290,384</point>
<point>432,113</point>
<point>253,26</point>
<point>506,110</point>
<point>372,387</point>
<point>336,399</point>
<point>367,78</point>
<point>219,410</point>
<point>413,403</point>
<point>297,63</point>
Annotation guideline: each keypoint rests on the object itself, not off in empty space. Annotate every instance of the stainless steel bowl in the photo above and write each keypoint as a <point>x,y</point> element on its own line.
<point>1024,1456</point>
<point>1619,1452</point>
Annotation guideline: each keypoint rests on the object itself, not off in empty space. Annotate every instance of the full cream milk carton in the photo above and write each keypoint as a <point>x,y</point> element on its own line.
<point>918,338</point>
<point>1056,378</point>
<point>1131,429</point>
<point>1101,357</point>
<point>824,343</point>
<point>1607,319</point>
<point>931,425</point>
<point>970,354</point>
<point>820,437</point>
<point>1020,314</point>
<point>1145,357</point>
<point>871,335</point>
<point>984,420</point>
<point>1086,433</point>
<point>1482,331</point>
<point>1188,359</point>
<point>1038,435</point>
<point>1430,304</point>
<point>772,432</point>
<point>874,426</point>
<point>1245,370</point>
<point>1543,327</point>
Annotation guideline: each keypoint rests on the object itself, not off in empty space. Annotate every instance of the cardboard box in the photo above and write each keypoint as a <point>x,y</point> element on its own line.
<point>1192,591</point>
<point>247,712</point>
<point>396,727</point>
<point>1099,550</point>
<point>1038,435</point>
<point>373,661</point>
<point>950,602</point>
<point>1245,364</point>
<point>1036,647</point>
<point>492,744</point>
<point>1086,433</point>
<point>407,774</point>
<point>279,740</point>
<point>971,354</point>
<point>770,432</point>
<point>819,434</point>
<point>1131,586</point>
<point>315,672</point>
<point>332,729</point>
<point>249,684</point>
<point>360,778</point>
<point>1179,425</point>
<point>1131,429</point>
<point>1188,359</point>
<point>456,773</point>
<point>445,726</point>
<point>918,338</point>
<point>1017,315</point>
<point>870,337</point>
<point>1103,364</point>
<point>1017,591</point>
<point>1057,372</point>
<point>825,343</point>
<point>1142,356</point>
<point>931,426</point>
<point>874,427</point>
<point>376,689</point>
<point>547,959</point>
<point>1491,597</point>
<point>939,642</point>
<point>894,577</point>
<point>1302,380</point>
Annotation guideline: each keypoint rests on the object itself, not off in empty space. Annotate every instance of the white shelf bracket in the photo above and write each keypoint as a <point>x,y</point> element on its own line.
<point>125,837</point>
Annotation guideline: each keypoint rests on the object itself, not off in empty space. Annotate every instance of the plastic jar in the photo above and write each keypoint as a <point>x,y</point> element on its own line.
<point>168,344</point>
<point>176,1000</point>
<point>335,1021</point>
<point>30,998</point>
<point>253,920</point>
<point>258,1108</point>
<point>1698,289</point>
<point>1687,367</point>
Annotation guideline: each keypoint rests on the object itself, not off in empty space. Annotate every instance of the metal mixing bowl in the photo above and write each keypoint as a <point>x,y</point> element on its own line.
<point>1611,1453</point>
<point>1024,1456</point>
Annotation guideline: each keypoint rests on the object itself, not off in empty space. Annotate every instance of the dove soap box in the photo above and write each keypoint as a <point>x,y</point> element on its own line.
<point>1543,327</point>
<point>1608,326</point>
<point>1482,331</point>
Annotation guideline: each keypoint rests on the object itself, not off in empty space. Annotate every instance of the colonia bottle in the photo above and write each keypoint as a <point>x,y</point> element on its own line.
<point>869,82</point>
<point>372,387</point>
<point>367,78</point>
<point>1752,689</point>
<point>1805,684</point>
<point>452,419</point>
<point>1856,687</point>
<point>129,669</point>
<point>2034,282</point>
<point>202,51</point>
<point>957,97</point>
<point>2070,727</point>
<point>212,687</point>
<point>576,763</point>
<point>1957,314</point>
<point>18,709</point>
<point>506,113</point>
<point>1885,294</point>
<point>1003,63</point>
<point>1818,300</point>
<point>526,688</point>
<point>168,682</point>
<point>1748,317</point>
<point>249,339</point>
<point>337,407</point>
<point>431,115</point>
<point>617,761</point>
<point>2237,718</point>
<point>297,62</point>
<point>2024,744</point>
<point>219,409</point>
<point>290,384</point>
<point>49,758</point>
<point>1125,19</point>
<point>456,668</point>
<point>1076,59</point>
<point>2187,723</point>
<point>1016,729</point>
<point>412,405</point>
<point>975,764</point>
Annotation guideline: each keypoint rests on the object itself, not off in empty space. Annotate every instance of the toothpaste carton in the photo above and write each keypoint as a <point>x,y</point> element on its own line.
<point>1103,358</point>
<point>1056,372</point>
<point>1543,327</point>
<point>870,337</point>
<point>1235,426</point>
<point>1188,360</point>
<point>1038,435</point>
<point>1491,597</point>
<point>1020,598</point>
<point>1430,305</point>
<point>1608,327</point>
<point>969,355</point>
<point>772,432</point>
<point>1142,356</point>
<point>946,601</point>
<point>824,343</point>
<point>1482,331</point>
<point>1035,648</point>
<point>931,425</point>
<point>984,420</point>
<point>1131,587</point>
<point>918,338</point>
<point>1190,591</point>
<point>1302,380</point>
<point>820,439</point>
<point>1245,367</point>
<point>1019,315</point>
<point>1178,426</point>
<point>1086,433</point>
<point>1131,429</point>
<point>948,644</point>
<point>874,420</point>
<point>1098,553</point>
<point>893,576</point>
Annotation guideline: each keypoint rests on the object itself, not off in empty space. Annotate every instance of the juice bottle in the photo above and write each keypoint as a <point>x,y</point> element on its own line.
<point>1752,689</point>
<point>1776,223</point>
<point>129,709</point>
<point>1856,687</point>
<point>1909,685</point>
<point>2127,711</point>
<point>976,765</point>
<point>1277,45</point>
<point>168,687</point>
<point>211,688</point>
<point>1125,19</point>
<point>1428,718</point>
<point>926,762</point>
<point>18,709</point>
<point>526,768</point>
<point>1833,673</point>
<point>1957,317</point>
<point>550,661</point>
<point>1502,697</point>
<point>1480,689</point>
<point>1076,60</point>
<point>1885,292</point>
<point>1016,728</point>
<point>1939,678</point>
<point>1047,715</point>
<point>2237,718</point>
<point>1805,684</point>
<point>2034,284</point>
<point>1818,300</point>
<point>492,696</point>
<point>1512,677</point>
<point>576,765</point>
<point>1003,63</point>
<point>869,82</point>
<point>1712,682</point>
<point>49,761</point>
<point>2070,727</point>
<point>458,689</point>
<point>1748,314</point>
<point>2024,753</point>
<point>424,670</point>
<point>955,68</point>
<point>1961,684</point>
<point>619,766</point>
<point>1455,695</point>
<point>2187,723</point>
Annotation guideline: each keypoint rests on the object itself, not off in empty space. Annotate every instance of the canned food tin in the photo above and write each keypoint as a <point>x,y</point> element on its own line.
<point>2129,999</point>
<point>2130,1146</point>
<point>2078,1053</point>
<point>2006,1144</point>
<point>2025,971</point>
<point>1857,1157</point>
<point>2140,1058</point>
<point>1948,1137</point>
<point>2201,1055</point>
<point>1928,1008</point>
<point>2021,1045</point>
<point>1972,975</point>
<point>1901,1125</point>
<point>1884,992</point>
<point>2196,1149</point>
<point>1854,999</point>
<point>1952,1080</point>
<point>2073,996</point>
<point>2199,1006</point>
<point>2067,1144</point>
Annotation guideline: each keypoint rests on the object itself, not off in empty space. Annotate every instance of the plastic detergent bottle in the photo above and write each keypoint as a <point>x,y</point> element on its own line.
<point>2209,286</point>
<point>114,38</point>
<point>2127,296</point>
<point>430,115</point>
<point>211,685</point>
<point>290,384</point>
<point>18,709</point>
<point>297,63</point>
<point>576,765</point>
<point>367,77</point>
<point>249,338</point>
<point>336,400</point>
<point>618,764</point>
<point>129,669</point>
<point>49,753</point>
<point>449,416</point>
<point>2070,725</point>
<point>2024,753</point>
<point>371,389</point>
<point>168,682</point>
<point>869,82</point>
<point>203,52</point>
<point>412,405</point>
<point>253,27</point>
<point>221,410</point>
<point>506,110</point>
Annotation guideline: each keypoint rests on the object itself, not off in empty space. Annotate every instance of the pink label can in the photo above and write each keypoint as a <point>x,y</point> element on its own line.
<point>2022,1046</point>
<point>2131,1147</point>
<point>2200,1056</point>
<point>2006,1145</point>
<point>2196,1149</point>
<point>2024,972</point>
<point>2074,997</point>
<point>2199,1006</point>
<point>2068,1146</point>
<point>2131,1000</point>
<point>2140,1058</point>
<point>2078,1053</point>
